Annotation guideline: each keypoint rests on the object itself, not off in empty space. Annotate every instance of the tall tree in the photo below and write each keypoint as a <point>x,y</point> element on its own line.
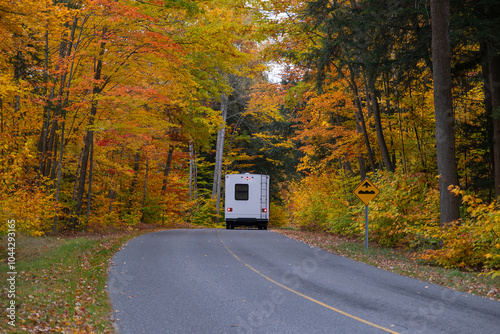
<point>443,105</point>
<point>493,82</point>
<point>219,154</point>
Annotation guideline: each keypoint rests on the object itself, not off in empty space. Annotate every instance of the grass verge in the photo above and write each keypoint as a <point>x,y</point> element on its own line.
<point>61,283</point>
<point>400,262</point>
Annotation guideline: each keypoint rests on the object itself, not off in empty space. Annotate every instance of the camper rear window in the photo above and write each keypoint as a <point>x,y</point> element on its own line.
<point>241,192</point>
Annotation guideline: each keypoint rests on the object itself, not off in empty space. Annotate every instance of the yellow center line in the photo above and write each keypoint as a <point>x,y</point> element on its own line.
<point>304,296</point>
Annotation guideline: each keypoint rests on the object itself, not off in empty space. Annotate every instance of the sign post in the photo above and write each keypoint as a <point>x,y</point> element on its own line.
<point>366,191</point>
<point>366,226</point>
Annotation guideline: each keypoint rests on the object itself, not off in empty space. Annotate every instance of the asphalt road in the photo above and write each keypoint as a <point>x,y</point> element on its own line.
<point>253,281</point>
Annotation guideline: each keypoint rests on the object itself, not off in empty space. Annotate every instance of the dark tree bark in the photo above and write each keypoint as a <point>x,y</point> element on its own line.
<point>491,52</point>
<point>47,136</point>
<point>380,133</point>
<point>58,186</point>
<point>361,127</point>
<point>63,105</point>
<point>191,169</point>
<point>443,105</point>
<point>89,138</point>
<point>488,112</point>
<point>145,190</point>
<point>494,78</point>
<point>89,193</point>
<point>166,171</point>
<point>137,158</point>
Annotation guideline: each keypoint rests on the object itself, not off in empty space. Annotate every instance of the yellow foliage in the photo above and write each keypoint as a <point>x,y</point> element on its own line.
<point>323,201</point>
<point>473,243</point>
<point>32,208</point>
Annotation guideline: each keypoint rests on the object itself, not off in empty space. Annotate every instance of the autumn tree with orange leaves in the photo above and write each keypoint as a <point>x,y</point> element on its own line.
<point>114,113</point>
<point>100,101</point>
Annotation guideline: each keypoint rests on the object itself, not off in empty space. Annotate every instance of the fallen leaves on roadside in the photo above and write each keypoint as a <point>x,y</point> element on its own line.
<point>65,291</point>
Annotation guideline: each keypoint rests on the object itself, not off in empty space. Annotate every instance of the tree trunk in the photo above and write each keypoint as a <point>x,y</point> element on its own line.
<point>166,171</point>
<point>195,176</point>
<point>492,94</point>
<point>378,127</point>
<point>63,105</point>
<point>145,190</point>
<point>52,172</point>
<point>494,67</point>
<point>112,191</point>
<point>50,149</point>
<point>191,169</point>
<point>78,168</point>
<point>219,154</point>
<point>401,135</point>
<point>42,142</point>
<point>89,194</point>
<point>443,105</point>
<point>231,139</point>
<point>137,158</point>
<point>111,196</point>
<point>361,128</point>
<point>47,140</point>
<point>89,138</point>
<point>59,172</point>
<point>488,112</point>
<point>1,116</point>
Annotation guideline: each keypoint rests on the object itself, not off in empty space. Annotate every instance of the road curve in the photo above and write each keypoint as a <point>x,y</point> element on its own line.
<point>252,281</point>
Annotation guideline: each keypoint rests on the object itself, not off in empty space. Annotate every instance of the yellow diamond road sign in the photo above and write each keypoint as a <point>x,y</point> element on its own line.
<point>366,191</point>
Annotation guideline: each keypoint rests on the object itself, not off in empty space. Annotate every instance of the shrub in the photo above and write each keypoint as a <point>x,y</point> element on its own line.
<point>205,213</point>
<point>152,213</point>
<point>31,207</point>
<point>277,215</point>
<point>473,243</point>
<point>406,203</point>
<point>324,202</point>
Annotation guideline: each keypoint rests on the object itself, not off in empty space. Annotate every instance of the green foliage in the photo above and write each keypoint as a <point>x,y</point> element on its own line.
<point>152,212</point>
<point>205,214</point>
<point>190,6</point>
<point>131,219</point>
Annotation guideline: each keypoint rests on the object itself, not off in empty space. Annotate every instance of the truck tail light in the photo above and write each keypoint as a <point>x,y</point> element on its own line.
<point>229,209</point>
<point>264,210</point>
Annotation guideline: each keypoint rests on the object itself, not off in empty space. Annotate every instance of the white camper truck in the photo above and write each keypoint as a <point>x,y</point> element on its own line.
<point>247,200</point>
